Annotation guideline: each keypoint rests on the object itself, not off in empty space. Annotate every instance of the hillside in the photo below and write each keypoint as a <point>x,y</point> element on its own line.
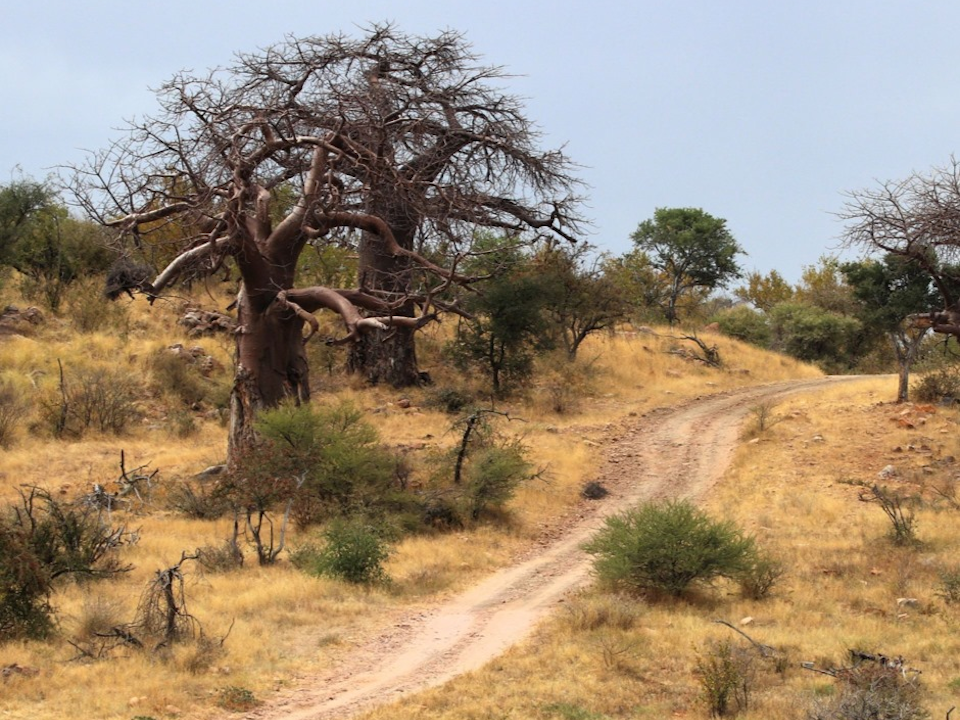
<point>277,624</point>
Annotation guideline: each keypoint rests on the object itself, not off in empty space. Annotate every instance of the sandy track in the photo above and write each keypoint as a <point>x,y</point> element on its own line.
<point>673,452</point>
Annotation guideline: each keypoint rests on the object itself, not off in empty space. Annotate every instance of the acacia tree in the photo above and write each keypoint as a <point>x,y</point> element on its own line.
<point>691,249</point>
<point>405,141</point>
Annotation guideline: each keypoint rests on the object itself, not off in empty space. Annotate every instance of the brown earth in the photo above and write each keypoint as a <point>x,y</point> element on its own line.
<point>677,452</point>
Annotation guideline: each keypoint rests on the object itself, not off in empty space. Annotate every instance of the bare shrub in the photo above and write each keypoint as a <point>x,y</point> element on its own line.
<point>873,691</point>
<point>12,408</point>
<point>725,673</point>
<point>100,399</point>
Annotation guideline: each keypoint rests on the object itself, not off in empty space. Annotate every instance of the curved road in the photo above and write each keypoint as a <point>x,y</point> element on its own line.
<point>673,452</point>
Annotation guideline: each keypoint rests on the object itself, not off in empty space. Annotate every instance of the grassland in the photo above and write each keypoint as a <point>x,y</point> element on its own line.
<point>607,655</point>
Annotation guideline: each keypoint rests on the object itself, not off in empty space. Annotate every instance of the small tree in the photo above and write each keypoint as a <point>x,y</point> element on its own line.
<point>667,546</point>
<point>507,324</point>
<point>582,297</point>
<point>889,291</point>
<point>691,249</point>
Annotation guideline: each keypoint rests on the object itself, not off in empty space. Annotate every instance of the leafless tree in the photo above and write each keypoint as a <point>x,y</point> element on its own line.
<point>917,218</point>
<point>402,145</point>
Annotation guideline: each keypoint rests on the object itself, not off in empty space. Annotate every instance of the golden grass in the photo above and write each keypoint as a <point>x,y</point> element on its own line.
<point>282,623</point>
<point>606,656</point>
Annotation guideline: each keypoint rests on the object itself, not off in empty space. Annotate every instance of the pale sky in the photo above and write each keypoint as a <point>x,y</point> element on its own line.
<point>762,113</point>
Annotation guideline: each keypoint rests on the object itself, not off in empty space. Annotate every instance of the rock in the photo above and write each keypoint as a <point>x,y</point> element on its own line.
<point>907,602</point>
<point>888,473</point>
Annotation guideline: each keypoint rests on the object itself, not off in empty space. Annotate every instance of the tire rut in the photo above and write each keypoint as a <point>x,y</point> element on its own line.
<point>678,452</point>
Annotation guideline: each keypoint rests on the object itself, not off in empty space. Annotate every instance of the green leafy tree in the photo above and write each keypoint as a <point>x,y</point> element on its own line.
<point>583,298</point>
<point>692,250</point>
<point>49,248</point>
<point>825,286</point>
<point>506,324</point>
<point>889,290</point>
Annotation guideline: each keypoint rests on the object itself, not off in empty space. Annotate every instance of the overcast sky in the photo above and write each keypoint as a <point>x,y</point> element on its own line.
<point>763,113</point>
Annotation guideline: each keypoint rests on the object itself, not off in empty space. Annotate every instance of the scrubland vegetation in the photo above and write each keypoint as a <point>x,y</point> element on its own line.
<point>243,630</point>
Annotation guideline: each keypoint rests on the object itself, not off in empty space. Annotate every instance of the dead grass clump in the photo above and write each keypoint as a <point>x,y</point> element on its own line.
<point>594,612</point>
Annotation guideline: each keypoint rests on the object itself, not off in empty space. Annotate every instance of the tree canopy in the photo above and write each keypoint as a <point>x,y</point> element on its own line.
<point>691,249</point>
<point>399,146</point>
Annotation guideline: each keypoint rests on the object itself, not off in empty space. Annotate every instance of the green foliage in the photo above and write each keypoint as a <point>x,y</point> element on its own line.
<point>758,579</point>
<point>25,588</point>
<point>692,249</point>
<point>725,673</point>
<point>42,242</point>
<point>237,699</point>
<point>745,324</point>
<point>666,546</point>
<point>353,550</point>
<point>326,460</point>
<point>949,587</point>
<point>493,475</point>
<point>508,325</point>
<point>812,334</point>
<point>580,298</point>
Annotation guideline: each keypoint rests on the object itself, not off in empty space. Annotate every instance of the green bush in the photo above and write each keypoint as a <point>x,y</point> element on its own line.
<point>746,324</point>
<point>352,551</point>
<point>667,546</point>
<point>493,476</point>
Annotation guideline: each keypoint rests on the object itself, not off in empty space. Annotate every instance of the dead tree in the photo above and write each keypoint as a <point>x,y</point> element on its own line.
<point>401,146</point>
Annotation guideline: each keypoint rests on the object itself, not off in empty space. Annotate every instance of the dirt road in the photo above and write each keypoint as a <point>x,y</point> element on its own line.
<point>674,452</point>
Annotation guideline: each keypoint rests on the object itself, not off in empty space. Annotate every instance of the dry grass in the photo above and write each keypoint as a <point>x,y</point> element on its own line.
<point>792,488</point>
<point>280,623</point>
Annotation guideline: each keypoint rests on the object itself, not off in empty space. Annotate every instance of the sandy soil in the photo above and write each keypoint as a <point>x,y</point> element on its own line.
<point>674,452</point>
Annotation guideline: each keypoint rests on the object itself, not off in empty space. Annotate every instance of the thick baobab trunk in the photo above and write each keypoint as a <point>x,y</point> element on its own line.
<point>387,356</point>
<point>271,365</point>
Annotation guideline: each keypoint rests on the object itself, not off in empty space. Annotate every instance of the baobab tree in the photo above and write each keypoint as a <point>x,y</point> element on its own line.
<point>403,145</point>
<point>916,219</point>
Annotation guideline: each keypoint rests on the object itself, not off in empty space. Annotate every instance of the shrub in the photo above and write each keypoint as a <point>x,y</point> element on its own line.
<point>42,540</point>
<point>725,673</point>
<point>666,546</point>
<point>89,310</point>
<point>329,457</point>
<point>101,399</point>
<point>493,476</point>
<point>949,588</point>
<point>759,577</point>
<point>12,407</point>
<point>173,375</point>
<point>873,692</point>
<point>942,384</point>
<point>353,551</point>
<point>746,324</point>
